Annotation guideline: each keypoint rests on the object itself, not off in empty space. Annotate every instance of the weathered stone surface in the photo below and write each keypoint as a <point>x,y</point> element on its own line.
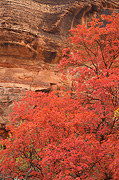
<point>32,36</point>
<point>3,132</point>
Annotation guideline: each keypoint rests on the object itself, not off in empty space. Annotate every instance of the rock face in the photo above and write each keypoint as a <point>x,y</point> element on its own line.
<point>32,36</point>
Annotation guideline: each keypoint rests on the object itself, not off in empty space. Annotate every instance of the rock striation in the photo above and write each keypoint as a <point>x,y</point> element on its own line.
<point>32,36</point>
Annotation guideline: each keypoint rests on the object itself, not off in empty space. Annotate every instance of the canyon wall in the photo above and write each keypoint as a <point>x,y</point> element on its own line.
<point>32,36</point>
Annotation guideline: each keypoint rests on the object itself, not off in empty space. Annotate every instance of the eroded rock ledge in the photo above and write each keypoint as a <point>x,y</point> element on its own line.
<point>32,36</point>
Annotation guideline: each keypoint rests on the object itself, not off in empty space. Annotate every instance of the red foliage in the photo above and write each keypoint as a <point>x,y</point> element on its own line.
<point>65,138</point>
<point>92,61</point>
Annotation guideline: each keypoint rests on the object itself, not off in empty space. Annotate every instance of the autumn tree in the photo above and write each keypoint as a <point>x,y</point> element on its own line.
<point>55,138</point>
<point>67,137</point>
<point>93,62</point>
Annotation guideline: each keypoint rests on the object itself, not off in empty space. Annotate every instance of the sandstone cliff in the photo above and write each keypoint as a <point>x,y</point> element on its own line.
<point>32,36</point>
